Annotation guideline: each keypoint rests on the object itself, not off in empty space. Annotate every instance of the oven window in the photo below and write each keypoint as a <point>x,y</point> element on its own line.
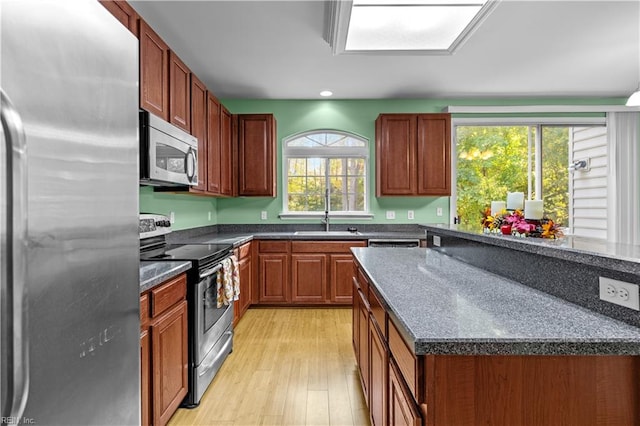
<point>211,312</point>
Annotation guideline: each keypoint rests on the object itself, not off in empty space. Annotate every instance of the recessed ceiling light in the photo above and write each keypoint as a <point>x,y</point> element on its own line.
<point>326,93</point>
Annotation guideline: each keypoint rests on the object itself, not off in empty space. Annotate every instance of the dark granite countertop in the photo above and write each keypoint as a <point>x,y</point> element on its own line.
<point>153,273</point>
<point>444,306</point>
<point>238,239</point>
<point>590,251</point>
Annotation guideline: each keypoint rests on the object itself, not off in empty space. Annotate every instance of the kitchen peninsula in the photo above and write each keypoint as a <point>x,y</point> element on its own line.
<point>440,341</point>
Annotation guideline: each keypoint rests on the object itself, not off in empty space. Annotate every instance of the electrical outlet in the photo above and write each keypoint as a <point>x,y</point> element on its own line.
<point>263,215</point>
<point>410,215</point>
<point>391,214</point>
<point>620,292</point>
<point>172,217</point>
<point>439,211</point>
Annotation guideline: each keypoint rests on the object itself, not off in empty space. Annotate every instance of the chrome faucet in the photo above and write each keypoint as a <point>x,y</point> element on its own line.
<point>326,210</point>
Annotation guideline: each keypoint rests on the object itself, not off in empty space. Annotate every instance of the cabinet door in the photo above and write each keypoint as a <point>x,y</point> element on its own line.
<point>245,266</point>
<point>213,144</point>
<point>273,278</point>
<point>355,323</point>
<point>363,335</point>
<point>124,13</point>
<point>227,170</point>
<point>308,278</point>
<point>169,362</point>
<point>199,129</point>
<point>179,93</point>
<point>378,371</point>
<point>396,154</point>
<point>402,408</point>
<point>154,72</point>
<point>434,154</point>
<point>145,376</point>
<point>341,266</point>
<point>256,155</point>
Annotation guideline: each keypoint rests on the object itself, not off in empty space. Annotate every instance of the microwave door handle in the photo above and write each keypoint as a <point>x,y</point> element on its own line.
<point>209,272</point>
<point>190,164</point>
<point>14,292</point>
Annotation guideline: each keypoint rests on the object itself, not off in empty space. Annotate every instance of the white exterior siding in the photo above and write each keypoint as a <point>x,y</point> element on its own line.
<point>588,189</point>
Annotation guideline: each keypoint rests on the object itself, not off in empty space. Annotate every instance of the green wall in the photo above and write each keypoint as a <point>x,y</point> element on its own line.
<point>190,211</point>
<point>295,116</point>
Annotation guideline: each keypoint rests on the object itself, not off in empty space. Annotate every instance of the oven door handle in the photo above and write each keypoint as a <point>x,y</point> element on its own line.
<point>208,272</point>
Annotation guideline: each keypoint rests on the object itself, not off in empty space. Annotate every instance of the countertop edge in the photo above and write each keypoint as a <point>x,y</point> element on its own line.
<point>160,271</point>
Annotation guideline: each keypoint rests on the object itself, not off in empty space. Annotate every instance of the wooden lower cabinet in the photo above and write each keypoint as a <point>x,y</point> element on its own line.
<point>341,267</point>
<point>245,271</point>
<point>502,390</point>
<point>402,408</point>
<point>169,362</point>
<point>273,278</point>
<point>378,371</point>
<point>163,350</point>
<point>308,278</point>
<point>305,272</point>
<point>145,376</point>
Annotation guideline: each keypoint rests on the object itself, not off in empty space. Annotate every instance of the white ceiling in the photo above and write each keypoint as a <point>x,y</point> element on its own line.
<point>276,50</point>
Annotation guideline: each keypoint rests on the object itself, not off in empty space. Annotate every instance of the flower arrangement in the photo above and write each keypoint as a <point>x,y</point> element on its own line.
<point>514,223</point>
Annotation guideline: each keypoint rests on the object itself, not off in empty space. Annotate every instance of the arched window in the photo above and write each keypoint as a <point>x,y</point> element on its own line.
<point>321,160</point>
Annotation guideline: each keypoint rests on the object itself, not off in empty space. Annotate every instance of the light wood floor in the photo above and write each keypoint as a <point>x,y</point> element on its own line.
<point>288,367</point>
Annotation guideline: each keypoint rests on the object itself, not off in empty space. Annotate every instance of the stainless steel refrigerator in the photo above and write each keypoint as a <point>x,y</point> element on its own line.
<point>69,313</point>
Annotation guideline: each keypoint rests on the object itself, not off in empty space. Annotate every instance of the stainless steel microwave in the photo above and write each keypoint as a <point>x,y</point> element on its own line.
<point>168,155</point>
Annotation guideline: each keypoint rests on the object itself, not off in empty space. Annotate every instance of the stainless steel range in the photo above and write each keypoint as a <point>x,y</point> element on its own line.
<point>210,327</point>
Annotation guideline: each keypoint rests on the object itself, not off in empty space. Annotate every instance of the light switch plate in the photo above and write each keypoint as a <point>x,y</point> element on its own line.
<point>263,215</point>
<point>439,211</point>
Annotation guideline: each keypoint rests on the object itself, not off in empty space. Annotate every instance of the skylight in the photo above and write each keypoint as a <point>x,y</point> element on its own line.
<point>430,26</point>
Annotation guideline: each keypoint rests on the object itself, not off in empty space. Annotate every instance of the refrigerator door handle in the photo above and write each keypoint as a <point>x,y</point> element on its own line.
<point>15,340</point>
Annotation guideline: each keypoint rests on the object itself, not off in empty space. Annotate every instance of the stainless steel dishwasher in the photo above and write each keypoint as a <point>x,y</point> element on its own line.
<point>394,242</point>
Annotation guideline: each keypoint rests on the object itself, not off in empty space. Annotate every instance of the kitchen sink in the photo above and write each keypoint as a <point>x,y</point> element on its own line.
<point>327,233</point>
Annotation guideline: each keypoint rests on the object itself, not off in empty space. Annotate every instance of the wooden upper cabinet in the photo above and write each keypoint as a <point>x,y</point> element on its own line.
<point>256,155</point>
<point>227,155</point>
<point>213,144</point>
<point>413,156</point>
<point>154,72</point>
<point>434,154</point>
<point>179,93</point>
<point>123,13</point>
<point>395,154</point>
<point>199,129</point>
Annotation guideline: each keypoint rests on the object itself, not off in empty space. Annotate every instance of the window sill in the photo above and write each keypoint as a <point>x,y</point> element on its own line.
<point>320,215</point>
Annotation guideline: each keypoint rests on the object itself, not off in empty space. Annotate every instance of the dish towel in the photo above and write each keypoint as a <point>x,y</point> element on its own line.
<point>228,281</point>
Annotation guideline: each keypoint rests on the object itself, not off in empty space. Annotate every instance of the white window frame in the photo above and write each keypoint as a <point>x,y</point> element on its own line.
<point>325,152</point>
<point>538,122</point>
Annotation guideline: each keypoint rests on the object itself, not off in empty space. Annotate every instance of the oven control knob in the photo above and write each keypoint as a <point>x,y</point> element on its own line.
<point>166,223</point>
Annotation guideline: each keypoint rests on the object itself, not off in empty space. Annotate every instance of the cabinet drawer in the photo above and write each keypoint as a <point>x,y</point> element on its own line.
<point>407,362</point>
<point>243,251</point>
<point>168,294</point>
<point>273,246</point>
<point>378,312</point>
<point>325,246</point>
<point>144,308</point>
<point>363,283</point>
